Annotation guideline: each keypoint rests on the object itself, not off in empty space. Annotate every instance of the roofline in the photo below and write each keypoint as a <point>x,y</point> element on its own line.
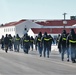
<point>13,23</point>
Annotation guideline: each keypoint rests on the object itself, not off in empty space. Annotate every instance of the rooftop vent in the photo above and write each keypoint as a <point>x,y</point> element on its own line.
<point>73,17</point>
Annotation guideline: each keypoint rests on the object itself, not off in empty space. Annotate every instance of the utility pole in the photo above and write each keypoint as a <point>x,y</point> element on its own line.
<point>64,22</point>
<point>64,15</point>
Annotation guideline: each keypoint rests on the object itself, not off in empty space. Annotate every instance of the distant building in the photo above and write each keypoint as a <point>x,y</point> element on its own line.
<point>55,27</point>
<point>20,27</point>
<point>33,27</point>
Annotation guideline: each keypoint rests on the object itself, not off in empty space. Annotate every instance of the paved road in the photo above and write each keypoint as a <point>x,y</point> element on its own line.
<point>13,63</point>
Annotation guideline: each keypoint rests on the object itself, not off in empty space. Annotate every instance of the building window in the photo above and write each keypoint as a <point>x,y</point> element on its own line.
<point>4,30</point>
<point>8,29</point>
<point>14,29</point>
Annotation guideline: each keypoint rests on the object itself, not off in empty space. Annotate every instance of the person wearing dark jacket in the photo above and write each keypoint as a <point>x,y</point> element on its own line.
<point>17,43</point>
<point>31,42</point>
<point>26,43</point>
<point>2,42</point>
<point>10,42</point>
<point>71,44</point>
<point>39,43</point>
<point>51,40</point>
<point>35,42</point>
<point>6,43</point>
<point>62,44</point>
<point>45,41</point>
<point>59,47</point>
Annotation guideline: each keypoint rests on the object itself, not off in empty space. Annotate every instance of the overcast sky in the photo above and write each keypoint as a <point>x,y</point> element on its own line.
<point>14,10</point>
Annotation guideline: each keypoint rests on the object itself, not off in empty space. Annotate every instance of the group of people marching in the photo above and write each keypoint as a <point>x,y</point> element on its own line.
<point>8,41</point>
<point>67,43</point>
<point>14,43</point>
<point>42,43</point>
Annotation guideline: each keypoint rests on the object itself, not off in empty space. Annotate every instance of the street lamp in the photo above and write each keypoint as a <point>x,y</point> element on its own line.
<point>64,21</point>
